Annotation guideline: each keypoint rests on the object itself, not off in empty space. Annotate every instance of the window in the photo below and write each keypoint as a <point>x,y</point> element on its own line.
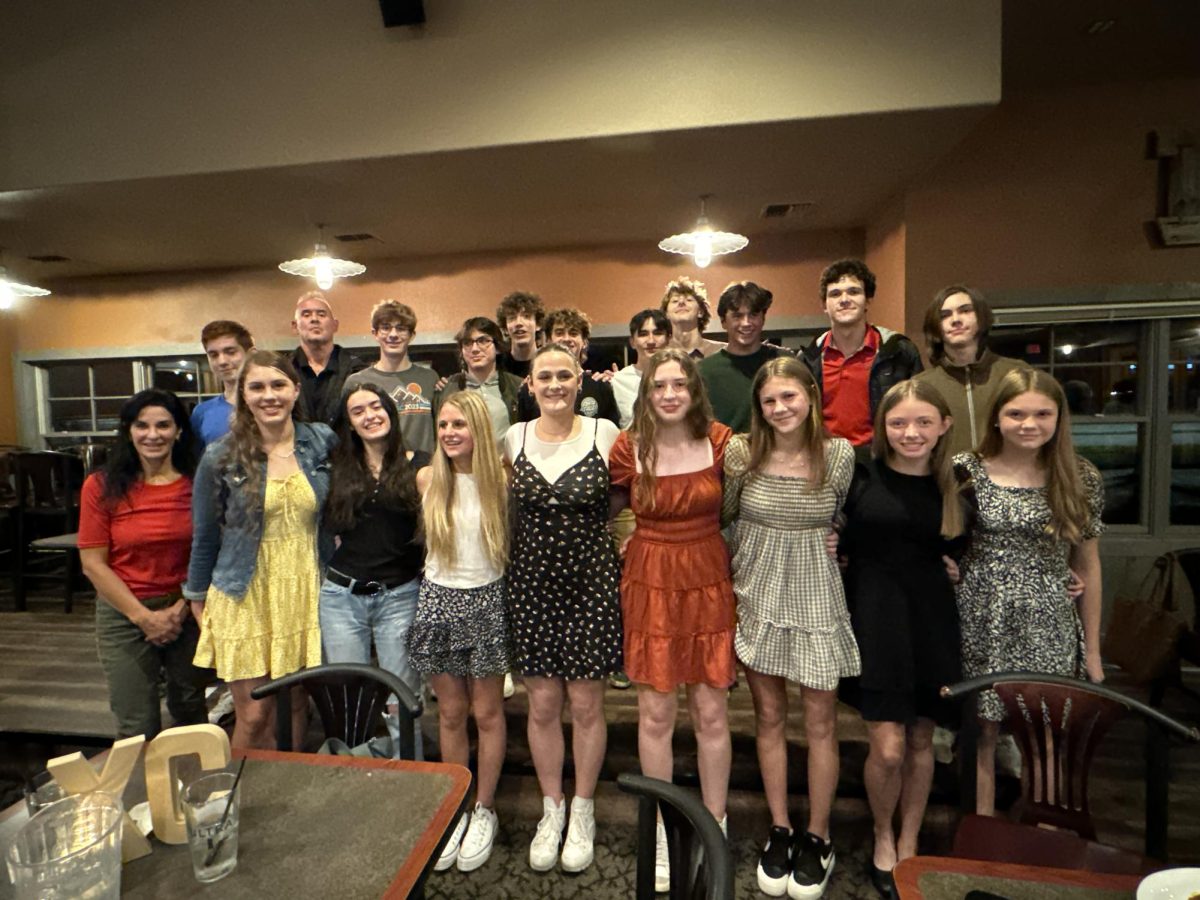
<point>86,397</point>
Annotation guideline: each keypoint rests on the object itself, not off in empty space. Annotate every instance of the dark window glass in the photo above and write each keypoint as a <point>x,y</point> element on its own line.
<point>113,379</point>
<point>1096,342</point>
<point>1115,448</point>
<point>71,415</point>
<point>69,380</point>
<point>1100,390</point>
<point>1030,343</point>
<point>180,376</point>
<point>108,411</point>
<point>1185,473</point>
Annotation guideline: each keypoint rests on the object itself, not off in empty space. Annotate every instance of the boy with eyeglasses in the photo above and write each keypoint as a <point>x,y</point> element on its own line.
<point>480,341</point>
<point>411,385</point>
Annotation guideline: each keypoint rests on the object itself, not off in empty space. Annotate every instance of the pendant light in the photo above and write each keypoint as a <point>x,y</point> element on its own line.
<point>11,290</point>
<point>702,243</point>
<point>322,267</point>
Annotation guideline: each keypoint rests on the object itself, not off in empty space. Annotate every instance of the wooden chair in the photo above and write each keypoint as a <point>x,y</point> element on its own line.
<point>1058,723</point>
<point>350,698</point>
<point>701,865</point>
<point>46,485</point>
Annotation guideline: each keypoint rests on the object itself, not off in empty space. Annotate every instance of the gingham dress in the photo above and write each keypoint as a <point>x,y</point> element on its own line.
<point>792,617</point>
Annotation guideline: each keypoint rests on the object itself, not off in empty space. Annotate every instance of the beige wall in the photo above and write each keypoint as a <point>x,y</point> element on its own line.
<point>155,89</point>
<point>1050,190</point>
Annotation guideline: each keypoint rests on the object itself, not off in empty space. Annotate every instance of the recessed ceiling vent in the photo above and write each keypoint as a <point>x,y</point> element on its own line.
<point>785,210</point>
<point>49,258</point>
<point>355,237</point>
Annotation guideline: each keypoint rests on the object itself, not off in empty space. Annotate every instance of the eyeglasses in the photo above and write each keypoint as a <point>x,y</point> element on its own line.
<point>400,330</point>
<point>482,342</point>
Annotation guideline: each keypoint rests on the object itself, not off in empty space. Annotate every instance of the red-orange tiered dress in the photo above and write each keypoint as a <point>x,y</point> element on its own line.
<point>676,591</point>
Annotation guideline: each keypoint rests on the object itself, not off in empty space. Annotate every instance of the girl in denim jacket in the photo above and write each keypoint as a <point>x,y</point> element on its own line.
<point>253,576</point>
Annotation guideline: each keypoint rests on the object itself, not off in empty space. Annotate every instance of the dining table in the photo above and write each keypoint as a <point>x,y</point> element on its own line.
<point>313,825</point>
<point>953,878</point>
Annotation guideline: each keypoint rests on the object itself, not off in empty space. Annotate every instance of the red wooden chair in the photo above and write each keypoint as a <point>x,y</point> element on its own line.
<point>1058,723</point>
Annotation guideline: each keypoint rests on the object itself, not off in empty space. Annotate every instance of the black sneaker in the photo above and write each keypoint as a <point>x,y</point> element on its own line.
<point>812,864</point>
<point>775,864</point>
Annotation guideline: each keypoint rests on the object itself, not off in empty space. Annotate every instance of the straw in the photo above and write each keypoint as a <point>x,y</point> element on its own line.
<point>212,854</point>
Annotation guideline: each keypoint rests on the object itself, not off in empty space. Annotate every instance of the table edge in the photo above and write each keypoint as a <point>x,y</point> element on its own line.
<point>909,871</point>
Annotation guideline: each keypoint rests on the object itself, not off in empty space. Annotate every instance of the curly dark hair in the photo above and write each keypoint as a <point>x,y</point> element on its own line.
<point>352,484</point>
<point>123,468</point>
<point>855,268</point>
<point>521,302</point>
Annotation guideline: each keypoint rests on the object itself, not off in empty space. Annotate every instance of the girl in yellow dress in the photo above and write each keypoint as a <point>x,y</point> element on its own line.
<point>253,576</point>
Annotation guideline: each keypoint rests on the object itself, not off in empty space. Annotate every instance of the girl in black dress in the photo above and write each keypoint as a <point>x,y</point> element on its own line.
<point>903,512</point>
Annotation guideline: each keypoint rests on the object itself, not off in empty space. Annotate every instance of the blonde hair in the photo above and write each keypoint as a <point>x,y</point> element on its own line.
<point>644,426</point>
<point>940,462</point>
<point>1065,495</point>
<point>438,505</point>
<point>762,435</point>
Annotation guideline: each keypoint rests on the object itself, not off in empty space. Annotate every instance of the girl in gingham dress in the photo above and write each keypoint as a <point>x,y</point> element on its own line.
<point>784,483</point>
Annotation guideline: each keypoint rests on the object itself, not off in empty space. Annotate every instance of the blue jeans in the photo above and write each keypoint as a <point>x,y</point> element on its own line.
<point>349,622</point>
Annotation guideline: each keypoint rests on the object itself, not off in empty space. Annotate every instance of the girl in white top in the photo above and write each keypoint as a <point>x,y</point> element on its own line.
<point>459,639</point>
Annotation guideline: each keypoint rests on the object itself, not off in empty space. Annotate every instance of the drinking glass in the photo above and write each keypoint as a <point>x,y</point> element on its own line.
<point>211,808</point>
<point>70,850</point>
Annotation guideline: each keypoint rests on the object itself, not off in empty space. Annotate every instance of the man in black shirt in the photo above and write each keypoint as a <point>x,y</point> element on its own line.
<point>521,316</point>
<point>322,364</point>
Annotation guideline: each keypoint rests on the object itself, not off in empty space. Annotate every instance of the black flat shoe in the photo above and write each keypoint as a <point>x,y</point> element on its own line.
<point>884,883</point>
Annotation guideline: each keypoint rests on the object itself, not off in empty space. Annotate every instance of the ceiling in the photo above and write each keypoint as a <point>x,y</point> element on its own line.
<point>573,193</point>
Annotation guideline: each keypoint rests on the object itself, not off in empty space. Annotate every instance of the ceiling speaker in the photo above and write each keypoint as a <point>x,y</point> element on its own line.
<point>397,13</point>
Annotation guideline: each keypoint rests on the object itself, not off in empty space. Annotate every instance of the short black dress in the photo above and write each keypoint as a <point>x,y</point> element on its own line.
<point>564,578</point>
<point>901,600</point>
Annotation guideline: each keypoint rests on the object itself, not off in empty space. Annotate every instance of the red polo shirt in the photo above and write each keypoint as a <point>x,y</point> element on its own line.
<point>846,398</point>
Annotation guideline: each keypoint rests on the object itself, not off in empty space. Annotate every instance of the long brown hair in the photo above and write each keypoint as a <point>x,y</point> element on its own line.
<point>351,483</point>
<point>941,463</point>
<point>644,427</point>
<point>1065,495</point>
<point>762,435</point>
<point>438,506</point>
<point>245,444</point>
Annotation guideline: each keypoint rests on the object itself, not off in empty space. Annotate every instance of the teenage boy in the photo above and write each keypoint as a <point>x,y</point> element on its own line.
<point>964,371</point>
<point>323,366</point>
<point>649,330</point>
<point>686,304</point>
<point>479,341</point>
<point>521,316</point>
<point>855,362</point>
<point>572,328</point>
<point>729,373</point>
<point>393,325</point>
<point>226,344</point>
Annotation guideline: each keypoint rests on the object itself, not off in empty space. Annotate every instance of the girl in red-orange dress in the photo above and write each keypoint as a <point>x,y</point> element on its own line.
<point>677,596</point>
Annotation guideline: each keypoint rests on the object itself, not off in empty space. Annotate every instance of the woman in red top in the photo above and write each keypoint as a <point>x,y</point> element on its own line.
<point>676,591</point>
<point>135,535</point>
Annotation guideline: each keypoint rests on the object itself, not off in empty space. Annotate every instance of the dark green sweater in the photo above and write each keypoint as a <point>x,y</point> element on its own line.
<point>728,379</point>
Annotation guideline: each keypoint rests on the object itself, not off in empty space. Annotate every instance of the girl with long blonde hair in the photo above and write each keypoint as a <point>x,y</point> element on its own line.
<point>459,639</point>
<point>676,593</point>
<point>903,517</point>
<point>1038,507</point>
<point>784,485</point>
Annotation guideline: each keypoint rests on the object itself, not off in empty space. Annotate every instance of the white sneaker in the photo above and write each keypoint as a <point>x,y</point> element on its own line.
<point>222,708</point>
<point>662,862</point>
<point>543,850</point>
<point>509,687</point>
<point>477,843</point>
<point>450,851</point>
<point>581,833</point>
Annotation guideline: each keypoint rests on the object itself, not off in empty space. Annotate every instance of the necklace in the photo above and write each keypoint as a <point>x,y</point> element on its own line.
<point>278,455</point>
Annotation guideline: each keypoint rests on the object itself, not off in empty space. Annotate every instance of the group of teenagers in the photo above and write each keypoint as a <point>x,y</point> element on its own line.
<point>921,526</point>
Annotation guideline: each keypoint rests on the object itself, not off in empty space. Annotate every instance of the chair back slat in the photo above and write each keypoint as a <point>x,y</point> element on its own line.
<point>1058,729</point>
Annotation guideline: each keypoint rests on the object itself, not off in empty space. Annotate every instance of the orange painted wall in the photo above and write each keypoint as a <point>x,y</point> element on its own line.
<point>609,283</point>
<point>1051,190</point>
<point>886,249</point>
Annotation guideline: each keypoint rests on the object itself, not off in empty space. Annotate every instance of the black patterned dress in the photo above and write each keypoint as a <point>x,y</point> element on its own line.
<point>1013,607</point>
<point>564,578</point>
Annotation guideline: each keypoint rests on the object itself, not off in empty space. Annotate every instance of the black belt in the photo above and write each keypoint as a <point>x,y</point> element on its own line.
<point>357,586</point>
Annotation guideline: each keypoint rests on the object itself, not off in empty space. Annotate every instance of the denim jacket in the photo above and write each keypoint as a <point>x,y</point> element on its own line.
<point>225,539</point>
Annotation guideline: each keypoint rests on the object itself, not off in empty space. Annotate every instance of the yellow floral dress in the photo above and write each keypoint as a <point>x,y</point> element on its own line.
<point>274,629</point>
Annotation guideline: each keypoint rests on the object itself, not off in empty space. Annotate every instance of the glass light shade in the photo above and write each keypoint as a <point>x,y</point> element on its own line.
<point>703,243</point>
<point>322,267</point>
<point>10,290</point>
